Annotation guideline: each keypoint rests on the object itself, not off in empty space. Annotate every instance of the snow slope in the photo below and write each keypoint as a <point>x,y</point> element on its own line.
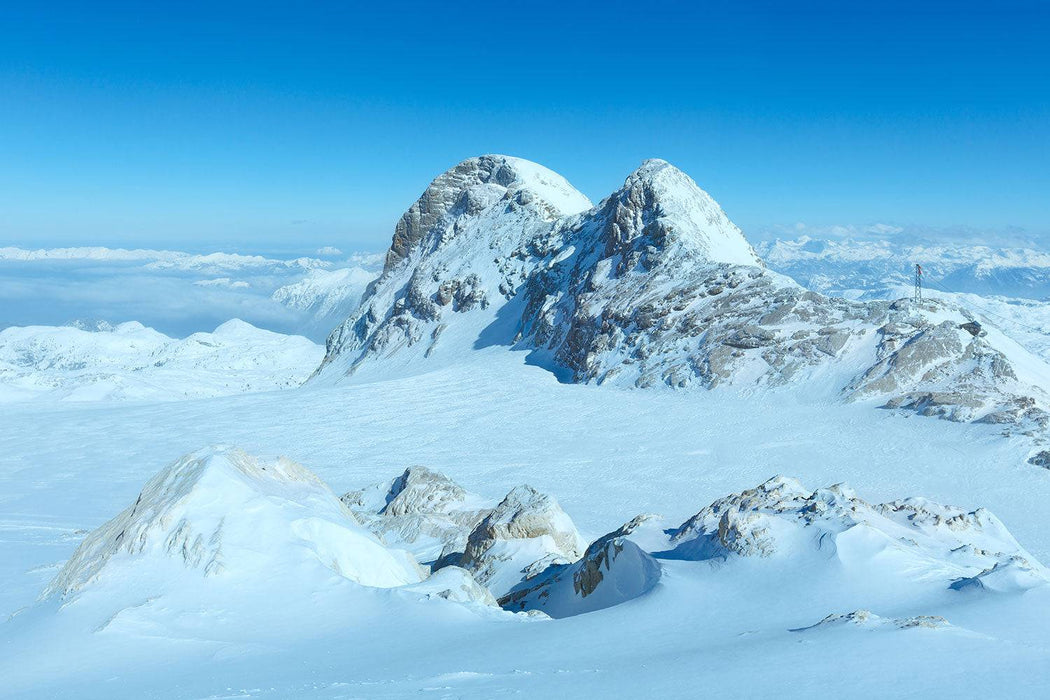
<point>133,362</point>
<point>607,454</point>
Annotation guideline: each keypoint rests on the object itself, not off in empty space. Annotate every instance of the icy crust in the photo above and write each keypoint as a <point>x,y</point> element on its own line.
<point>223,513</point>
<point>914,537</point>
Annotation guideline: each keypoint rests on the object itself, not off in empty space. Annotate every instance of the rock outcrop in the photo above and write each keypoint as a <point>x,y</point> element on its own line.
<point>457,255</point>
<point>527,532</point>
<point>613,570</point>
<point>866,619</point>
<point>913,537</point>
<point>421,510</point>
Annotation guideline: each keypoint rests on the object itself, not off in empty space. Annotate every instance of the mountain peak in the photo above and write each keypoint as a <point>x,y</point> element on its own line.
<point>662,207</point>
<point>475,185</point>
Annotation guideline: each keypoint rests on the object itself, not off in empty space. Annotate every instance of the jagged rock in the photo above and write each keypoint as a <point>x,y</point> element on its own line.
<point>1040,459</point>
<point>613,570</point>
<point>422,511</point>
<point>868,620</point>
<point>527,532</point>
<point>222,512</point>
<point>471,239</point>
<point>455,584</point>
<point>914,536</point>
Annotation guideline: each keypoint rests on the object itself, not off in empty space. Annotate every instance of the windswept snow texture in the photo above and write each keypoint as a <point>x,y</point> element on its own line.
<point>516,334</point>
<point>133,362</point>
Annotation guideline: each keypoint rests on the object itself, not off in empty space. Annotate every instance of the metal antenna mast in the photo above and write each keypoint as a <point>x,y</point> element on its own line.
<point>918,283</point>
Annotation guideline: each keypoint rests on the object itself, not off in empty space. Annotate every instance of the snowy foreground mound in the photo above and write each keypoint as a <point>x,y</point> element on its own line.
<point>655,286</point>
<point>233,571</point>
<point>224,514</point>
<point>247,524</point>
<point>131,361</point>
<point>530,555</point>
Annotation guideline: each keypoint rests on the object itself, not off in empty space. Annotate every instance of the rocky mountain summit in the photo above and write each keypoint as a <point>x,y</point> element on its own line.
<point>655,287</point>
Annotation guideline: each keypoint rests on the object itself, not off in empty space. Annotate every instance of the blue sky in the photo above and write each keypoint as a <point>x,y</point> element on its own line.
<point>266,127</point>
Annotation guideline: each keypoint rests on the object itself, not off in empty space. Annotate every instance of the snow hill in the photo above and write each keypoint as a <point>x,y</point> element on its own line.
<point>222,513</point>
<point>652,287</point>
<point>528,553</point>
<point>131,361</point>
<point>219,522</point>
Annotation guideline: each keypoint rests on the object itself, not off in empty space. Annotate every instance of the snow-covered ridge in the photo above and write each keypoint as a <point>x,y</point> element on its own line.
<point>856,264</point>
<point>482,232</point>
<point>131,361</point>
<point>326,292</point>
<point>222,514</point>
<point>655,287</point>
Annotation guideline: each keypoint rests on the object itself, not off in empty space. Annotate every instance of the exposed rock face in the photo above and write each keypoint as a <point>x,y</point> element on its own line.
<point>526,532</point>
<point>868,620</point>
<point>916,537</point>
<point>457,255</point>
<point>613,570</point>
<point>469,189</point>
<point>220,512</point>
<point>421,510</point>
<point>942,369</point>
<point>655,287</point>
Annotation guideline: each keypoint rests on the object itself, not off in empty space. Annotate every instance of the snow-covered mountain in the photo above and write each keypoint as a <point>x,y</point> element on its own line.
<point>853,264</point>
<point>327,296</point>
<point>131,361</point>
<point>655,286</point>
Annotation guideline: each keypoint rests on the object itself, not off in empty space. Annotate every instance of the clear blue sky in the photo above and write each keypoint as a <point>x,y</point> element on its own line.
<point>281,125</point>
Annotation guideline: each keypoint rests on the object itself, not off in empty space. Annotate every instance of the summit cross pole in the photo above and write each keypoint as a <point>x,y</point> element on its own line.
<point>918,283</point>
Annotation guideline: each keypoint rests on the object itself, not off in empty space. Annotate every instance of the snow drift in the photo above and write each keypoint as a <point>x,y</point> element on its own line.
<point>224,514</point>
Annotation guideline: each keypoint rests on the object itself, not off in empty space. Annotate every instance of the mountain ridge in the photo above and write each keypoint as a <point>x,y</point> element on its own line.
<point>655,286</point>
